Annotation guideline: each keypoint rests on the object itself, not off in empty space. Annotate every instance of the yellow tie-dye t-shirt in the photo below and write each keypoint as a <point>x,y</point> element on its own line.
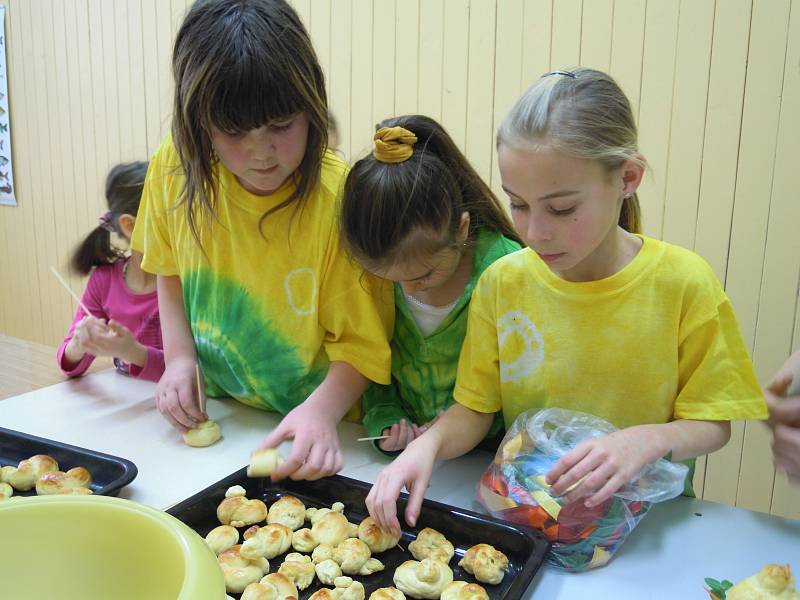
<point>268,311</point>
<point>655,342</point>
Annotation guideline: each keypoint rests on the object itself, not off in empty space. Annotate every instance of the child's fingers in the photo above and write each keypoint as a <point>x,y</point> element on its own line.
<point>565,466</point>
<point>780,384</point>
<point>416,495</point>
<point>300,449</point>
<point>786,411</point>
<point>382,502</point>
<point>169,406</point>
<point>313,466</point>
<point>391,443</point>
<point>596,476</point>
<point>117,329</point>
<point>604,493</point>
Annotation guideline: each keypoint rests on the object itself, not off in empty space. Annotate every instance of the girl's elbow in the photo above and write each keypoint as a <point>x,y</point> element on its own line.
<point>724,432</point>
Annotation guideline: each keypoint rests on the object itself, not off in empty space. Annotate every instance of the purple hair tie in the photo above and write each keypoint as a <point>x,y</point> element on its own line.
<point>107,222</point>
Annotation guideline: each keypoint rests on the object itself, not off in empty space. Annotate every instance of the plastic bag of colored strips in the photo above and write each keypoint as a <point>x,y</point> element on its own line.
<point>514,489</point>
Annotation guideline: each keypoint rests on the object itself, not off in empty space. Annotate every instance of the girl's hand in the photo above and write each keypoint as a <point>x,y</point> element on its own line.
<point>176,397</point>
<point>601,466</point>
<point>400,435</point>
<point>784,418</point>
<point>86,334</point>
<point>123,344</point>
<point>315,450</point>
<point>412,470</point>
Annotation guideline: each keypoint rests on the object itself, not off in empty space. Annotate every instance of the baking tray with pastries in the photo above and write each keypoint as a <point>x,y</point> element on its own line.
<point>30,466</point>
<point>314,540</point>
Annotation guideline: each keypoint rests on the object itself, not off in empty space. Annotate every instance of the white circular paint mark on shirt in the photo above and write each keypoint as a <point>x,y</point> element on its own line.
<point>512,325</point>
<point>301,291</point>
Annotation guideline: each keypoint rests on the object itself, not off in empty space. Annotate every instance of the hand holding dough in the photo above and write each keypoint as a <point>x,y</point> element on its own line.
<point>264,462</point>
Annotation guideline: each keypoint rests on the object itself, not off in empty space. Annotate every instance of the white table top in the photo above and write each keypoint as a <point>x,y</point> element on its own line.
<point>673,549</point>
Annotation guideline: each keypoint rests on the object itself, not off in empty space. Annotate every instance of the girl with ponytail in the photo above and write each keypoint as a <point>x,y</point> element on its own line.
<point>124,323</point>
<point>415,212</point>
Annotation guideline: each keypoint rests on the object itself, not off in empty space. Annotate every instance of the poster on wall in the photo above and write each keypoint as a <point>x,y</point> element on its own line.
<point>6,176</point>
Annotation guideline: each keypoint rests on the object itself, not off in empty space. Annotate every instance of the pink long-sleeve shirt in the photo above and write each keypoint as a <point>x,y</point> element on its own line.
<point>107,296</point>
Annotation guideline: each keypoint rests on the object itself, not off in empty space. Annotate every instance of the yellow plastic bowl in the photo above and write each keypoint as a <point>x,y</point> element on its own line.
<point>101,548</point>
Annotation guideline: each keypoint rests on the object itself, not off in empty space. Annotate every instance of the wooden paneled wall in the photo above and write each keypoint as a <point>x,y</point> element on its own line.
<point>715,85</point>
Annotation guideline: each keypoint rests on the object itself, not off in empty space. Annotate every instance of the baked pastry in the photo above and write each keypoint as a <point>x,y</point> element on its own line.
<point>58,482</point>
<point>5,473</point>
<point>424,579</point>
<point>288,511</point>
<point>322,552</point>
<point>239,511</point>
<point>205,434</point>
<point>348,589</point>
<point>303,540</point>
<point>773,582</point>
<point>222,538</point>
<point>6,491</point>
<point>238,571</point>
<point>327,571</point>
<point>269,541</point>
<point>378,540</point>
<point>299,569</point>
<point>235,490</point>
<point>486,563</point>
<point>27,473</point>
<point>431,544</point>
<point>352,530</point>
<point>264,462</point>
<point>387,593</point>
<point>332,529</point>
<point>271,587</point>
<point>315,514</point>
<point>323,594</point>
<point>351,555</point>
<point>461,590</point>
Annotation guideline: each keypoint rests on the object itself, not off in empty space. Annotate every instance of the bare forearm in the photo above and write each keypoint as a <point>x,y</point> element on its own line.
<point>685,438</point>
<point>456,432</point>
<point>340,390</point>
<point>176,334</point>
<point>72,353</point>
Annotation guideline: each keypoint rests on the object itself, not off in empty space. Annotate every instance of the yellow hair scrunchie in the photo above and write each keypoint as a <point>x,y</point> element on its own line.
<point>393,144</point>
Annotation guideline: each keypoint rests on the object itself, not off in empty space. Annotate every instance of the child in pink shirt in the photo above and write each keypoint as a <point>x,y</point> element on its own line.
<point>122,298</point>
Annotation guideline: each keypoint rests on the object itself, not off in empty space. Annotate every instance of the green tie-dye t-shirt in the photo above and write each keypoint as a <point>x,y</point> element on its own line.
<point>424,367</point>
<point>268,311</point>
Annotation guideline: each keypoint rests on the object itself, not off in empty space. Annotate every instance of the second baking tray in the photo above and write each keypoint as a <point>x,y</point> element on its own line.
<point>526,549</point>
<point>109,473</point>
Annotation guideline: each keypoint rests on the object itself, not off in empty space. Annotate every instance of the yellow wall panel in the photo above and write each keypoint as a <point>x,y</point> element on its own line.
<point>479,123</point>
<point>408,56</point>
<point>565,49</point>
<point>714,86</point>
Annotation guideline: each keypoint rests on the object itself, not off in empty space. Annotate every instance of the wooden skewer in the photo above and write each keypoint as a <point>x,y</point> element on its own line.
<point>376,437</point>
<point>69,289</point>
<point>201,397</point>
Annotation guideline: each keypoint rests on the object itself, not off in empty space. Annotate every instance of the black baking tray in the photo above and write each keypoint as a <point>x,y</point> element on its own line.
<point>109,473</point>
<point>526,549</point>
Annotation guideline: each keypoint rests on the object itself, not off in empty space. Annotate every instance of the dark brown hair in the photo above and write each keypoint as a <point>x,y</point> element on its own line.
<point>385,205</point>
<point>124,185</point>
<point>239,64</point>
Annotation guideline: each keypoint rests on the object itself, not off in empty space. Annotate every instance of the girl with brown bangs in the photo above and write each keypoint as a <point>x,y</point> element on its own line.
<point>238,220</point>
<point>415,212</point>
